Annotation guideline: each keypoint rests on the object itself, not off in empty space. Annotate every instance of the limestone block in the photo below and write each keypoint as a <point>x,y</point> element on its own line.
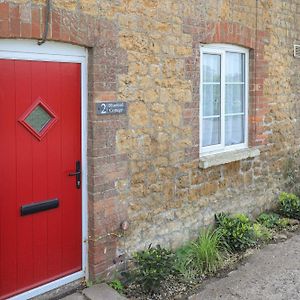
<point>138,115</point>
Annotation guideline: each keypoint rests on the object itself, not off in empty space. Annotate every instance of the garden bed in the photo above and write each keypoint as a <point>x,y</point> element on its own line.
<point>164,274</point>
<point>173,288</point>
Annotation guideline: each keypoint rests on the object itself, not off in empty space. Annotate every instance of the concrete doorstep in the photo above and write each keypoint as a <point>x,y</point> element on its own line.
<point>96,292</point>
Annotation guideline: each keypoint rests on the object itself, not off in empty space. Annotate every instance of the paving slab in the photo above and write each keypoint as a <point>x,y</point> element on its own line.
<point>272,273</point>
<point>102,292</point>
<point>76,296</point>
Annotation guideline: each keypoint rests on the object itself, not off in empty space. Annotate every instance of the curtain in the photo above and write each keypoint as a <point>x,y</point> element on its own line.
<point>234,98</point>
<point>211,99</point>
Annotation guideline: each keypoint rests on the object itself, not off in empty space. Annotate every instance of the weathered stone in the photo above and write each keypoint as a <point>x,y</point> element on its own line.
<point>174,114</point>
<point>227,158</point>
<point>197,177</point>
<point>75,296</point>
<point>138,178</point>
<point>102,292</point>
<point>138,115</point>
<point>183,182</point>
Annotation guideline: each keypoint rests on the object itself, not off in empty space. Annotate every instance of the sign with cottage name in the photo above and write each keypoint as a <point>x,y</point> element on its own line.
<point>111,108</point>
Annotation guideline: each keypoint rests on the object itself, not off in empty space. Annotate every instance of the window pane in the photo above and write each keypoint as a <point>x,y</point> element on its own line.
<point>234,99</point>
<point>234,130</point>
<point>235,67</point>
<point>38,118</point>
<point>211,68</point>
<point>210,131</point>
<point>211,99</point>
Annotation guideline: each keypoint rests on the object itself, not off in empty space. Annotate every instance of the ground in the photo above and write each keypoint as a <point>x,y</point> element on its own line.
<point>271,273</point>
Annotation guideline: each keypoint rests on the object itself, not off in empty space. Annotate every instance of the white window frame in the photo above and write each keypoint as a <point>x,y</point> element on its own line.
<point>221,49</point>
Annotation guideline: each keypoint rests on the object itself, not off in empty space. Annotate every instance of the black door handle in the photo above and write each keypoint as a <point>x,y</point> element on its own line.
<point>77,173</point>
<point>74,173</point>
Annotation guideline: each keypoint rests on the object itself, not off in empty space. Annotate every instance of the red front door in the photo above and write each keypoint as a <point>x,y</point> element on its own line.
<point>40,204</point>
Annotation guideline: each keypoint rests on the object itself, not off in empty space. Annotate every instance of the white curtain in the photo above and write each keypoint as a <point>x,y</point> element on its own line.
<point>211,99</point>
<point>234,99</point>
<point>211,113</point>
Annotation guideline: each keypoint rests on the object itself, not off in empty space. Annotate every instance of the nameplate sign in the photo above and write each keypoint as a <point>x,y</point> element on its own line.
<point>111,108</point>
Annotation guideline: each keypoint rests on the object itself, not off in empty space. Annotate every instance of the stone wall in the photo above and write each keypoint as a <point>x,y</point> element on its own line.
<point>144,166</point>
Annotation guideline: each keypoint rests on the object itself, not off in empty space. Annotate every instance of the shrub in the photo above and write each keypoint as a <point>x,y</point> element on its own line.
<point>200,257</point>
<point>289,205</point>
<point>152,267</point>
<point>262,232</point>
<point>236,231</point>
<point>273,221</point>
<point>285,222</point>
<point>269,220</point>
<point>117,285</point>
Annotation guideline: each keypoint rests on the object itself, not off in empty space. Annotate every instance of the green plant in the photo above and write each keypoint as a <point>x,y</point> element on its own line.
<point>200,257</point>
<point>207,251</point>
<point>262,232</point>
<point>90,283</point>
<point>237,233</point>
<point>152,267</point>
<point>289,205</point>
<point>269,220</point>
<point>273,221</point>
<point>184,263</point>
<point>117,285</point>
<point>285,222</point>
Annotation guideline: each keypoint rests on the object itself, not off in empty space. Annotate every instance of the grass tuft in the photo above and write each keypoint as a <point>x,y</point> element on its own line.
<point>200,257</point>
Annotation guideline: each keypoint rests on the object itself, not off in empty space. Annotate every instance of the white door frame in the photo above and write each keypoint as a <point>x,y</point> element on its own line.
<point>58,52</point>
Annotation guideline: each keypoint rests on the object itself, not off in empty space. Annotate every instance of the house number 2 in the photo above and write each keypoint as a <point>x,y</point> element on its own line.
<point>103,108</point>
<point>111,108</point>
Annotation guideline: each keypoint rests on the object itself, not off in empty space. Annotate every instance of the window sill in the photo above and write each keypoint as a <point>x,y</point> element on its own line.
<point>227,157</point>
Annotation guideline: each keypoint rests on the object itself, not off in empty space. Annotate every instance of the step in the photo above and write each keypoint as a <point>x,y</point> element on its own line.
<point>76,296</point>
<point>102,292</point>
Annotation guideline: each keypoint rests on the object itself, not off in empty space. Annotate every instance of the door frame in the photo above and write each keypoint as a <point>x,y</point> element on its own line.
<point>58,52</point>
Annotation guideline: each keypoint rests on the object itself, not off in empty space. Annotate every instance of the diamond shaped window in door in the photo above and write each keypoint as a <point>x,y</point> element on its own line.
<point>38,119</point>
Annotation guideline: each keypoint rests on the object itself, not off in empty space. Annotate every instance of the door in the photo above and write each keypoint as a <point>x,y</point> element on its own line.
<point>40,192</point>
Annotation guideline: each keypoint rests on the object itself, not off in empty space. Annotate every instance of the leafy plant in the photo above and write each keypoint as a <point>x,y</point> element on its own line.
<point>184,263</point>
<point>153,266</point>
<point>273,221</point>
<point>289,205</point>
<point>269,220</point>
<point>285,222</point>
<point>236,231</point>
<point>262,232</point>
<point>117,285</point>
<point>200,257</point>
